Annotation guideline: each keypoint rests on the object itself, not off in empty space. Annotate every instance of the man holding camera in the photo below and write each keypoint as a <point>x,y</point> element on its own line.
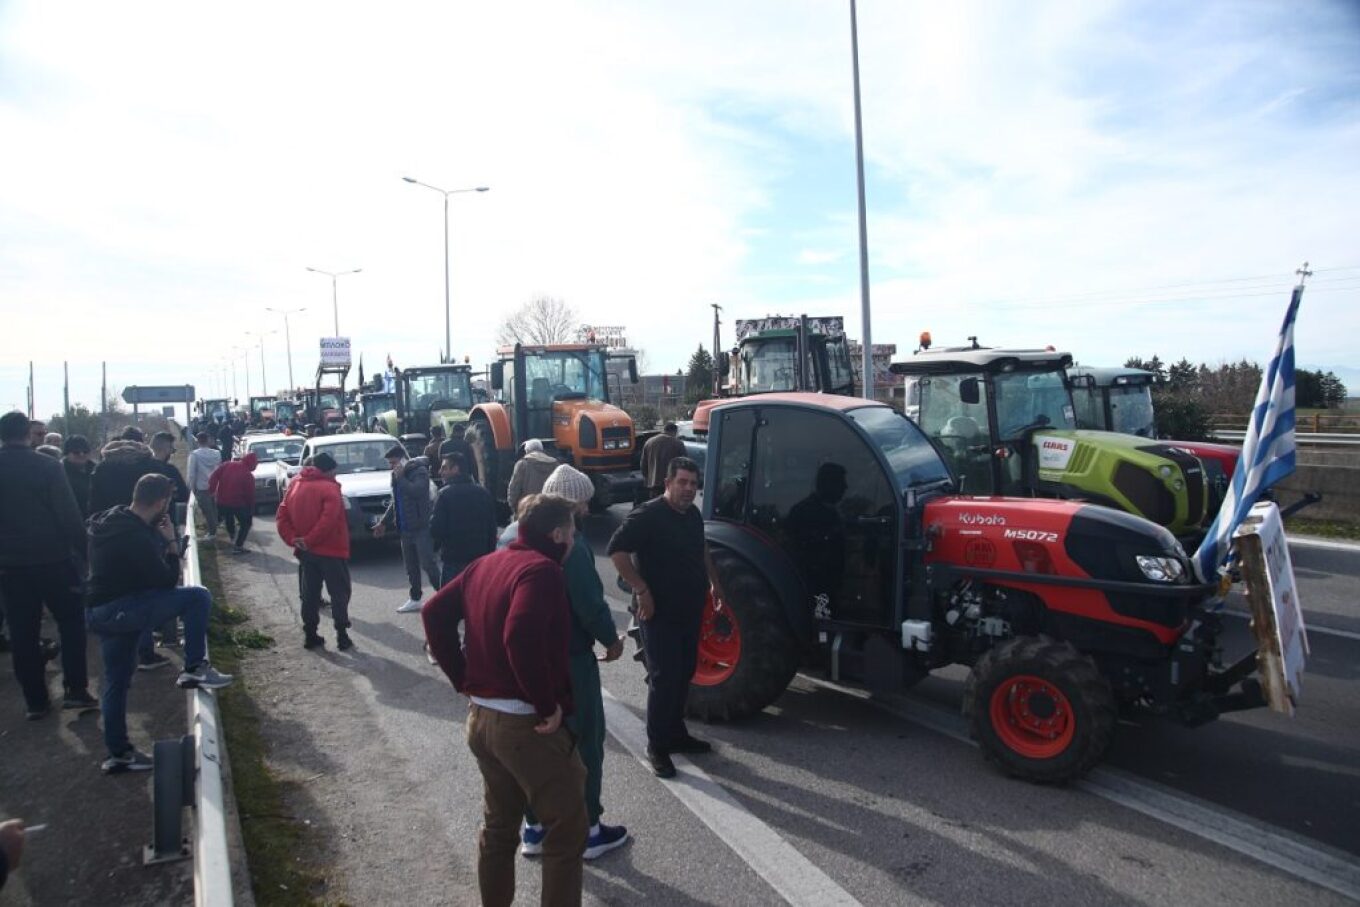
<point>134,575</point>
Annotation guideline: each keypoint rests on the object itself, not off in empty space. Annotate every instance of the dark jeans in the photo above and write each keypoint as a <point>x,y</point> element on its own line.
<point>417,551</point>
<point>237,520</point>
<point>672,648</point>
<point>26,590</point>
<point>449,570</point>
<point>334,573</point>
<point>119,623</point>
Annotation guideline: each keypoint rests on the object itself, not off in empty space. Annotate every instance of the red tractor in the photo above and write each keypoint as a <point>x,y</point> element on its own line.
<point>843,548</point>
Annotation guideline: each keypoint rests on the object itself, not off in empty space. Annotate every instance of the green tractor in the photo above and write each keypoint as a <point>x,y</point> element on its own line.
<point>427,396</point>
<point>1006,422</point>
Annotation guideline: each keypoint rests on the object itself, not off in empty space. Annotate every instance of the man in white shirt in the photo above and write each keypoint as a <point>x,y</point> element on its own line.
<point>202,461</point>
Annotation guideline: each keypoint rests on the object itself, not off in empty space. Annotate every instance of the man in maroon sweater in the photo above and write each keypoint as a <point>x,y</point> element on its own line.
<point>512,664</point>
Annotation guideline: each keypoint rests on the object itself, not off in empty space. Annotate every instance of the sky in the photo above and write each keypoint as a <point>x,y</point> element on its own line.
<point>1115,179</point>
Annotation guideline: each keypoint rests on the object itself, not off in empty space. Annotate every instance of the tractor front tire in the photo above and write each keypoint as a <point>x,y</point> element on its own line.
<point>747,651</point>
<point>1040,709</point>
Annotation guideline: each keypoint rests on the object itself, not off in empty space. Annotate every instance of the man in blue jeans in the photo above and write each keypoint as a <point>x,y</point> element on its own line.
<point>134,572</point>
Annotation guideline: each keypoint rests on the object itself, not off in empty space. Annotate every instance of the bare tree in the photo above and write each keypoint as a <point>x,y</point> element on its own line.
<point>543,319</point>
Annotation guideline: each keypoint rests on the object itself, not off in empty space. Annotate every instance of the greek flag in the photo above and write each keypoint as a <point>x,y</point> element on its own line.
<point>1267,451</point>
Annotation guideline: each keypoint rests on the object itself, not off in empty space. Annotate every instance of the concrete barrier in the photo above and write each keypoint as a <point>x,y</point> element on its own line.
<point>1339,486</point>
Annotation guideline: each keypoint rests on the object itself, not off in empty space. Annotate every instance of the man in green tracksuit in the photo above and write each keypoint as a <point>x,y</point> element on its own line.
<point>591,622</point>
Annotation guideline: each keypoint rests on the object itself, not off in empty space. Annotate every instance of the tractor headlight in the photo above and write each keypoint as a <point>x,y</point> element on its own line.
<point>1165,471</point>
<point>1160,569</point>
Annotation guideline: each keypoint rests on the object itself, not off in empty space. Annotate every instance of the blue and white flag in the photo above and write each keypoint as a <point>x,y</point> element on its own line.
<point>1267,451</point>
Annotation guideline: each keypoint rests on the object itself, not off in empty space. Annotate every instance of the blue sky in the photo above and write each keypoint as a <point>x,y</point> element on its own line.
<point>1033,169</point>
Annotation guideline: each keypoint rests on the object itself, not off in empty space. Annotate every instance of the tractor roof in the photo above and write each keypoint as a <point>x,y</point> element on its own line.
<point>506,352</point>
<point>1108,377</point>
<point>437,369</point>
<point>985,359</point>
<point>834,402</point>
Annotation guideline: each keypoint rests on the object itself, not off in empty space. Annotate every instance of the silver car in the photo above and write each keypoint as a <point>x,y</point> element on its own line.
<point>271,450</point>
<point>362,471</point>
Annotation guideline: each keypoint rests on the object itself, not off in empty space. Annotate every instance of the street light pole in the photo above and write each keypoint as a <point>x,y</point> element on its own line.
<point>448,321</point>
<point>335,304</point>
<point>867,352</point>
<point>287,338</point>
<point>264,381</point>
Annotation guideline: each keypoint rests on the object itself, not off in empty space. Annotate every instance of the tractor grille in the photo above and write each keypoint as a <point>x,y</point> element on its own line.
<point>1193,473</point>
<point>617,433</point>
<point>1081,459</point>
<point>1146,492</point>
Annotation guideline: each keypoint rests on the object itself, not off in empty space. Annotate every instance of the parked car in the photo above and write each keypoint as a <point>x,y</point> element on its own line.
<point>362,471</point>
<point>270,450</point>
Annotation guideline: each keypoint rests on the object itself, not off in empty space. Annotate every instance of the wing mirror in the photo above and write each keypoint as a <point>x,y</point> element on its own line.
<point>969,392</point>
<point>497,375</point>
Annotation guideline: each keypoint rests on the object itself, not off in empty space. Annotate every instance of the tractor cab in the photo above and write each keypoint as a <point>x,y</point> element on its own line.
<point>1114,399</point>
<point>427,396</point>
<point>284,411</point>
<point>1007,424</point>
<point>372,406</point>
<point>262,409</point>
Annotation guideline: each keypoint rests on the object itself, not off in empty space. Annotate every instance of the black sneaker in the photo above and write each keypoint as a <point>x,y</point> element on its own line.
<point>133,760</point>
<point>38,713</point>
<point>151,662</point>
<point>314,641</point>
<point>661,763</point>
<point>79,701</point>
<point>692,746</point>
<point>342,641</point>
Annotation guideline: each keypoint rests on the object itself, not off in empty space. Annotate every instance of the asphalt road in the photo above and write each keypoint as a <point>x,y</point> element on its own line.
<point>829,796</point>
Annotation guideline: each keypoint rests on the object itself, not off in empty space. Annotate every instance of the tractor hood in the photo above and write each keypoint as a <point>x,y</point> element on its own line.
<point>604,415</point>
<point>1225,455</point>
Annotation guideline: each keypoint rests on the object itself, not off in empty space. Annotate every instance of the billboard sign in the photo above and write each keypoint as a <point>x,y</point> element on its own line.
<point>335,352</point>
<point>615,336</point>
<point>830,325</point>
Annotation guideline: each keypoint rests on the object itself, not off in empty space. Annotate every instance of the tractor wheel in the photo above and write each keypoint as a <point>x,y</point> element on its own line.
<point>747,652</point>
<point>1040,709</point>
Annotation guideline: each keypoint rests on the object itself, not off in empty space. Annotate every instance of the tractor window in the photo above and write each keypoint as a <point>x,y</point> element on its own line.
<point>1131,410</point>
<point>1086,407</point>
<point>552,375</point>
<point>439,390</point>
<point>818,489</point>
<point>330,400</point>
<point>771,364</point>
<point>960,428</point>
<point>840,377</point>
<point>1031,399</point>
<point>734,464</point>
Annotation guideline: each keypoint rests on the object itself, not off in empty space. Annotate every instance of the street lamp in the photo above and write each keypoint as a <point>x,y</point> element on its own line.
<point>260,335</point>
<point>287,338</point>
<point>335,306</point>
<point>448,335</point>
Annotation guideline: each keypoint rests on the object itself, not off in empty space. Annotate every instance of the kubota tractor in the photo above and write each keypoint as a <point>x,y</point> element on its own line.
<point>1005,420</point>
<point>843,547</point>
<point>559,394</point>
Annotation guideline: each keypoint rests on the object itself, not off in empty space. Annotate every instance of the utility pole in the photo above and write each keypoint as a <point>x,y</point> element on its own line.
<point>66,395</point>
<point>30,389</point>
<point>717,379</point>
<point>867,353</point>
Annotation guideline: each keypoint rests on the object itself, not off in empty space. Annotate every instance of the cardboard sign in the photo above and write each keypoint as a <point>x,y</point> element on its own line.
<point>1276,614</point>
<point>1054,452</point>
<point>830,325</point>
<point>335,352</point>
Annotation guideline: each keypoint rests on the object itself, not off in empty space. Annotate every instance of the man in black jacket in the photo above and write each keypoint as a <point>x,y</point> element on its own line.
<point>121,464</point>
<point>42,548</point>
<point>409,514</point>
<point>134,572</point>
<point>79,468</point>
<point>463,525</point>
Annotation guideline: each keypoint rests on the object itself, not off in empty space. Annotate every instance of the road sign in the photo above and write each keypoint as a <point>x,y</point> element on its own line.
<point>178,393</point>
<point>335,352</point>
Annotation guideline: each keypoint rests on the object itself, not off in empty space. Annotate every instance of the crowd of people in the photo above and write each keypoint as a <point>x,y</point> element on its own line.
<point>514,623</point>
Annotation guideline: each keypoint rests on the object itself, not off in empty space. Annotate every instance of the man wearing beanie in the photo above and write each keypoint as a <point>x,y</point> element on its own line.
<point>312,519</point>
<point>591,622</point>
<point>511,661</point>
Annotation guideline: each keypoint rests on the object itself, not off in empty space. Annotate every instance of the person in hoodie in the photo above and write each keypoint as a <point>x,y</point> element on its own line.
<point>121,464</point>
<point>512,663</point>
<point>591,622</point>
<point>530,473</point>
<point>232,486</point>
<point>409,514</point>
<point>311,518</point>
<point>42,550</point>
<point>133,586</point>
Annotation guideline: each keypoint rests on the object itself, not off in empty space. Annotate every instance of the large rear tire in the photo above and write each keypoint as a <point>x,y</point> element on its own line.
<point>1040,709</point>
<point>747,651</point>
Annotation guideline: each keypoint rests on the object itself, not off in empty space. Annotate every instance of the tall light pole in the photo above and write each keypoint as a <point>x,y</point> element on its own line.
<point>867,352</point>
<point>448,333</point>
<point>287,338</point>
<point>335,305</point>
<point>259,336</point>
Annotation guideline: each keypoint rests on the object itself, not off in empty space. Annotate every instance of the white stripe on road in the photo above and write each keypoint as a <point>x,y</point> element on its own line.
<point>1293,854</point>
<point>1330,544</point>
<point>775,860</point>
<point>1313,629</point>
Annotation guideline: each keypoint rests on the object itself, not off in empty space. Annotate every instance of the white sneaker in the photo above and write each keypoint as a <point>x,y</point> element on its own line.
<point>412,604</point>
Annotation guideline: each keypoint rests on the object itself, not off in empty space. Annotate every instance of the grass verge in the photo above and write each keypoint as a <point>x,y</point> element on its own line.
<point>1327,529</point>
<point>274,840</point>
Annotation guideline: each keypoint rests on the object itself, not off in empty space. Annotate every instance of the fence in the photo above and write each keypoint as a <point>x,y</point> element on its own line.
<point>1315,422</point>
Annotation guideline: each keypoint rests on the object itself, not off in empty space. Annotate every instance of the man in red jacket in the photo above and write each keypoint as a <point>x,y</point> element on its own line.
<point>311,518</point>
<point>232,486</point>
<point>512,665</point>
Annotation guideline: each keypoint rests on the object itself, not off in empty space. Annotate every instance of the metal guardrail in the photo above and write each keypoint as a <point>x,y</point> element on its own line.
<point>212,863</point>
<point>1300,438</point>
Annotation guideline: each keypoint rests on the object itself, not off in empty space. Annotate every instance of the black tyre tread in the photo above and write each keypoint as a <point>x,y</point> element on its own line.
<point>1059,662</point>
<point>769,650</point>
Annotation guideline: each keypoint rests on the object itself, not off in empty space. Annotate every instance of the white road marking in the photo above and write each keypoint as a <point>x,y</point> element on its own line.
<point>1290,853</point>
<point>1330,544</point>
<point>774,859</point>
<point>1312,628</point>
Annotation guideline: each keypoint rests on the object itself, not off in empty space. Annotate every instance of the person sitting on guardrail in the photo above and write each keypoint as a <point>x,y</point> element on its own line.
<point>311,518</point>
<point>134,571</point>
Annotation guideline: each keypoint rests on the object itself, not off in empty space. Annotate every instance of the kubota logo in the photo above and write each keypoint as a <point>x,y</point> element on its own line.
<point>982,519</point>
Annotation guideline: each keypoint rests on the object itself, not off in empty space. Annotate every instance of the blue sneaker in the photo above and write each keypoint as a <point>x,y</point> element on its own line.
<point>604,839</point>
<point>531,840</point>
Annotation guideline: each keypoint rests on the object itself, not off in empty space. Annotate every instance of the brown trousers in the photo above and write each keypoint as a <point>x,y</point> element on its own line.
<point>522,768</point>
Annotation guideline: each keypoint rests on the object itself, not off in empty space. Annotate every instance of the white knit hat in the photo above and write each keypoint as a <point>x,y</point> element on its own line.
<point>533,445</point>
<point>569,482</point>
